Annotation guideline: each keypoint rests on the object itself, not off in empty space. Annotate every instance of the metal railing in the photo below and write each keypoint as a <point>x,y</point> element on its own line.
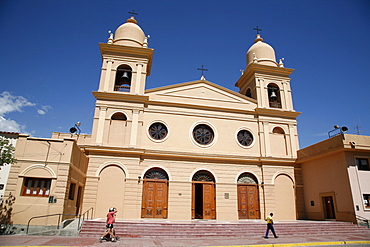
<point>363,219</point>
<point>84,216</point>
<point>87,214</point>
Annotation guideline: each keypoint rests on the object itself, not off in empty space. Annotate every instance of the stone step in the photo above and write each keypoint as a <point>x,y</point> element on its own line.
<point>215,229</point>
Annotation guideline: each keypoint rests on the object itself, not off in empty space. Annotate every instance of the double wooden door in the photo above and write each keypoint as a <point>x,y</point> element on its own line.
<point>248,201</point>
<point>155,199</point>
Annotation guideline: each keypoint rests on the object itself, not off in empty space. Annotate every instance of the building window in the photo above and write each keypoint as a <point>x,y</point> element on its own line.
<point>367,201</point>
<point>36,187</point>
<point>245,137</point>
<point>158,131</point>
<point>362,164</point>
<point>203,134</point>
<point>72,188</point>
<point>119,116</point>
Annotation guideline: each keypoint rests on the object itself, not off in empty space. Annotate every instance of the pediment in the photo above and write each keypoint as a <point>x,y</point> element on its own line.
<point>200,90</point>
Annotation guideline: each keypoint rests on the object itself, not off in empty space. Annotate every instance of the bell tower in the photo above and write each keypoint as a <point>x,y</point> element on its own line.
<point>127,60</point>
<point>268,83</point>
<point>126,64</point>
<point>264,79</point>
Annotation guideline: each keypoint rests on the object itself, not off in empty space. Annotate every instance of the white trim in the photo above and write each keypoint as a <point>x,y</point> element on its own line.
<point>215,137</point>
<point>110,163</point>
<point>202,169</point>
<point>153,122</point>
<point>250,131</point>
<point>38,166</point>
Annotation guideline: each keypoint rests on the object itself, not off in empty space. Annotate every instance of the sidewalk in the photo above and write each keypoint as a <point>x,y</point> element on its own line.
<point>287,240</point>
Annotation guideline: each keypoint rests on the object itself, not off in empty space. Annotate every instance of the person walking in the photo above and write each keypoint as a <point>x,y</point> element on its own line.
<point>270,226</point>
<point>110,233</point>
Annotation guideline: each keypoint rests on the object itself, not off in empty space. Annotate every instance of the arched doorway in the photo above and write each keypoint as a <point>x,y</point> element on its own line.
<point>203,196</point>
<point>248,197</point>
<point>155,194</point>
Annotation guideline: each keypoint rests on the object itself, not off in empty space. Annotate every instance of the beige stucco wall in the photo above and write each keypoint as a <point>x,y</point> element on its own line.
<point>329,169</point>
<point>180,174</point>
<point>60,160</point>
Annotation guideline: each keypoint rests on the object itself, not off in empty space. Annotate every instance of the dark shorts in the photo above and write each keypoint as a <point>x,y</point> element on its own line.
<point>110,226</point>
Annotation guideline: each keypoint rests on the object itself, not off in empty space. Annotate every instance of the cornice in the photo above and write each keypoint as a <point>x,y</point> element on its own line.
<point>119,96</point>
<point>184,156</point>
<point>253,69</point>
<point>120,50</point>
<point>277,112</point>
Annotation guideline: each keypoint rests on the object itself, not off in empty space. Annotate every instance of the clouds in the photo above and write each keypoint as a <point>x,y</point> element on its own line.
<point>44,109</point>
<point>10,103</point>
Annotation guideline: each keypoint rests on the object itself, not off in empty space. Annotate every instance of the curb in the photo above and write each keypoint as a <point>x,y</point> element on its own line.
<point>297,244</point>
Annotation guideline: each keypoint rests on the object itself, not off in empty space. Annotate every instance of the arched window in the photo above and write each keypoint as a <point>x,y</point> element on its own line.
<point>123,79</point>
<point>247,178</point>
<point>156,173</point>
<point>119,116</point>
<point>278,130</point>
<point>274,95</point>
<point>203,176</point>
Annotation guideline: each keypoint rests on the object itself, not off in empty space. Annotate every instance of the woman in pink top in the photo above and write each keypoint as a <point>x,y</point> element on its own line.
<point>110,220</point>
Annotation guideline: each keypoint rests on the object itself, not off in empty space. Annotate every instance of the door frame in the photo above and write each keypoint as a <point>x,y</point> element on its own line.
<point>213,201</point>
<point>257,210</point>
<point>332,208</point>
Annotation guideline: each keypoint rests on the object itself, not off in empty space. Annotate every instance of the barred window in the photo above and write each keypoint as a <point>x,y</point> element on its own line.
<point>36,187</point>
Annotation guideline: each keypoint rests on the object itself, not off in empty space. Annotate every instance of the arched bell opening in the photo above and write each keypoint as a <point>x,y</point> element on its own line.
<point>248,93</point>
<point>248,197</point>
<point>274,95</point>
<point>155,194</point>
<point>123,79</point>
<point>203,196</point>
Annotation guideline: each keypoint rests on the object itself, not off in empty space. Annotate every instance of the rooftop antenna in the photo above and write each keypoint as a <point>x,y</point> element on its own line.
<point>358,130</point>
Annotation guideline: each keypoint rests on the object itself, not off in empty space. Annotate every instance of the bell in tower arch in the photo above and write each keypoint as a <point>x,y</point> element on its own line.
<point>123,79</point>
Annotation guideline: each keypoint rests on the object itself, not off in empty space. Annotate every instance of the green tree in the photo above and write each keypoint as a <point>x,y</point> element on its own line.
<point>6,214</point>
<point>6,152</point>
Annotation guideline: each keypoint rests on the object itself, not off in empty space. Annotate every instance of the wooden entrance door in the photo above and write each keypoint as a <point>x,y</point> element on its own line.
<point>203,201</point>
<point>248,201</point>
<point>154,203</point>
<point>328,204</point>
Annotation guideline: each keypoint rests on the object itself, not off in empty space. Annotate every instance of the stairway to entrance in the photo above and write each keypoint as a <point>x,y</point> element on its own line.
<point>197,229</point>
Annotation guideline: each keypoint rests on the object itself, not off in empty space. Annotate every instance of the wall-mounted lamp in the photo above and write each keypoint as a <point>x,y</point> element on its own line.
<point>138,179</point>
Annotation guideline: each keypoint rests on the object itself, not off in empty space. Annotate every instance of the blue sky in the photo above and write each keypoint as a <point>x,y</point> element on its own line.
<point>50,59</point>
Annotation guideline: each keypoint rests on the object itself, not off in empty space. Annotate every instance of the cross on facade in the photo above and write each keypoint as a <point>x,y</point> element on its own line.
<point>257,29</point>
<point>133,12</point>
<point>202,69</point>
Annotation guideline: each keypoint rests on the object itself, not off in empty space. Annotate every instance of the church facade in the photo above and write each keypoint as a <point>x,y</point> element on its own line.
<point>192,150</point>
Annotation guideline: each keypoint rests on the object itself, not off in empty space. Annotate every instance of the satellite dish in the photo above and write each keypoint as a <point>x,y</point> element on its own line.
<point>73,130</point>
<point>344,129</point>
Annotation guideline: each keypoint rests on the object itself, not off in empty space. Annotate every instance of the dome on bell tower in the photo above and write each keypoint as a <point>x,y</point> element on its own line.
<point>261,53</point>
<point>129,34</point>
